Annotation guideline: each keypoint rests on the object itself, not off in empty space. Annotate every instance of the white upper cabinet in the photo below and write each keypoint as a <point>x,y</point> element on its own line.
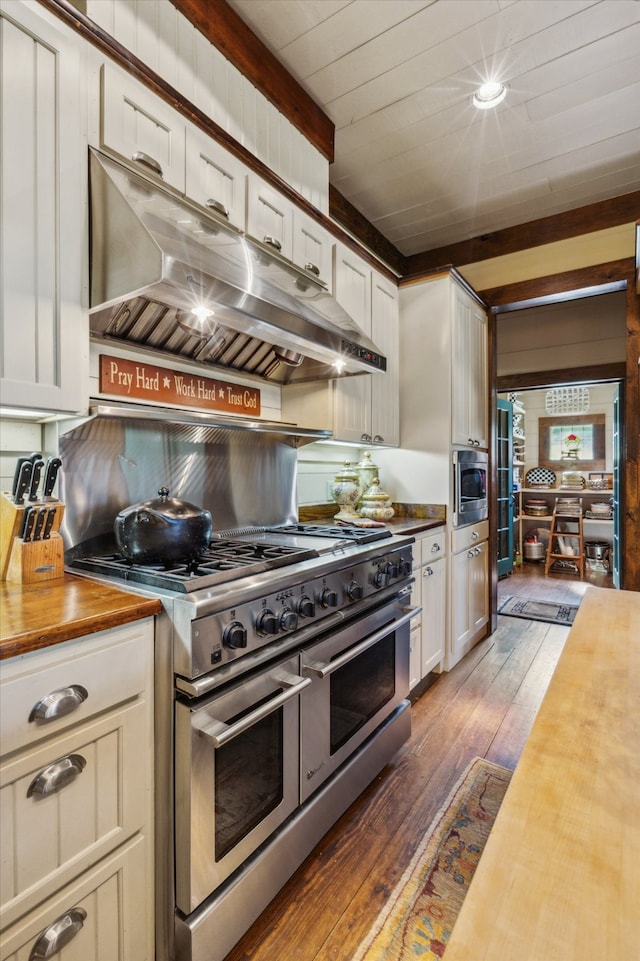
<point>215,179</point>
<point>141,128</point>
<point>269,216</point>
<point>469,424</point>
<point>312,247</point>
<point>44,340</point>
<point>352,286</point>
<point>385,388</point>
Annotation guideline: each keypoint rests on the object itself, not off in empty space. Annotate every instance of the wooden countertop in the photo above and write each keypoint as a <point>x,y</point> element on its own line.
<point>39,615</point>
<point>560,876</point>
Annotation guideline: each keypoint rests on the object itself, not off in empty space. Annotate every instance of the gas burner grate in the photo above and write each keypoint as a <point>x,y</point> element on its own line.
<point>359,535</point>
<point>223,561</point>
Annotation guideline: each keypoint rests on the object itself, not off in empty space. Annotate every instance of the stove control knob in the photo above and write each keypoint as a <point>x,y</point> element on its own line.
<point>306,607</point>
<point>234,635</point>
<point>328,598</point>
<point>266,622</point>
<point>405,567</point>
<point>380,579</point>
<point>354,591</point>
<point>392,569</point>
<point>288,619</point>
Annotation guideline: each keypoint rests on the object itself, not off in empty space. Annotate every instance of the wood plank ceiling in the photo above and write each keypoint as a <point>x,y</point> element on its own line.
<point>413,155</point>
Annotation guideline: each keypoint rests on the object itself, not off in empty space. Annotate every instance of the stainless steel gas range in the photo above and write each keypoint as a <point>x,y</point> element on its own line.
<point>282,682</point>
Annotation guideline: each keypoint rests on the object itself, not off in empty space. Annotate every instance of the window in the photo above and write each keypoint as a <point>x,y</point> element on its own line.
<point>572,443</point>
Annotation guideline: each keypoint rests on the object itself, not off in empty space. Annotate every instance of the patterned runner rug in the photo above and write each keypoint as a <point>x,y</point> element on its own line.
<point>419,916</point>
<point>548,611</point>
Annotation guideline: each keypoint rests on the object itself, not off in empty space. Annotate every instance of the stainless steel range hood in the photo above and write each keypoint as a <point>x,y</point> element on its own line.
<point>156,258</point>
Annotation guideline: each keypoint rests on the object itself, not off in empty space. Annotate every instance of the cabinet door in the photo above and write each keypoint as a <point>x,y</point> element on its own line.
<point>352,290</point>
<point>44,339</point>
<point>385,388</point>
<point>469,420</point>
<point>140,127</point>
<point>214,177</point>
<point>469,599</point>
<point>312,247</point>
<point>434,602</point>
<point>269,216</point>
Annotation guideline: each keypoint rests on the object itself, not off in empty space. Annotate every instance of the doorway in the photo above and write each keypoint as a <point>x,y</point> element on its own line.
<point>560,445</point>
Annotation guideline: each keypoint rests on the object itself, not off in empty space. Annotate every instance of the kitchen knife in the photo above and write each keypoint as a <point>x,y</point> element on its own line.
<point>16,477</point>
<point>30,514</point>
<point>50,477</point>
<point>41,516</point>
<point>23,522</point>
<point>24,481</point>
<point>48,524</point>
<point>35,479</point>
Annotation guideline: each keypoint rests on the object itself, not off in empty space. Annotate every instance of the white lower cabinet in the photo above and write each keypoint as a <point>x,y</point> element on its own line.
<point>428,630</point>
<point>76,797</point>
<point>469,590</point>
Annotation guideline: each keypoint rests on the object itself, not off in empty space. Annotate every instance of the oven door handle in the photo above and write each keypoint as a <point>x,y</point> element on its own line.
<point>219,733</point>
<point>321,669</point>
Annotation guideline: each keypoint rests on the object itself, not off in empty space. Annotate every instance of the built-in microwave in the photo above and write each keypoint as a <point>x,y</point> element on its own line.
<point>470,481</point>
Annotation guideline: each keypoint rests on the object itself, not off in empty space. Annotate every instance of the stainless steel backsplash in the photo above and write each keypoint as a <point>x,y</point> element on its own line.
<point>246,478</point>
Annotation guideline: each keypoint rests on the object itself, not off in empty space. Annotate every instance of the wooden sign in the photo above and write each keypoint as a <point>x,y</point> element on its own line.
<point>137,379</point>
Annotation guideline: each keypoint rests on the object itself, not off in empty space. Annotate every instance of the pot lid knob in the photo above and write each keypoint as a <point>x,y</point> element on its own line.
<point>163,492</point>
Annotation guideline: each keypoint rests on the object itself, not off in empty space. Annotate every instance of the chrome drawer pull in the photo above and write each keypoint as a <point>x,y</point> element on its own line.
<point>54,938</point>
<point>436,547</point>
<point>272,242</point>
<point>56,776</point>
<point>58,703</point>
<point>218,206</point>
<point>219,733</point>
<point>143,158</point>
<point>312,268</point>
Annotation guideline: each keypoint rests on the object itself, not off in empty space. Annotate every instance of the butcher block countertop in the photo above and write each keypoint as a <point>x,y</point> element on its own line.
<point>560,876</point>
<point>39,615</point>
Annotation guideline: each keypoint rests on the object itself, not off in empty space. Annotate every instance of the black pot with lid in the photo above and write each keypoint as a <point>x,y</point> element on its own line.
<point>163,530</point>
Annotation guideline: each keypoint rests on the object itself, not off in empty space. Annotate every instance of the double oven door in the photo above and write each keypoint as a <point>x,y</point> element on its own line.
<point>236,778</point>
<point>248,756</point>
<point>360,675</point>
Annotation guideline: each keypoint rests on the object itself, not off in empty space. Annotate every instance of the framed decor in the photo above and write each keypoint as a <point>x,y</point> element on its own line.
<point>572,443</point>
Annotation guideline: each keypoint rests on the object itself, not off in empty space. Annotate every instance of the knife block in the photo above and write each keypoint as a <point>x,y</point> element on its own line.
<point>34,561</point>
<point>22,561</point>
<point>10,522</point>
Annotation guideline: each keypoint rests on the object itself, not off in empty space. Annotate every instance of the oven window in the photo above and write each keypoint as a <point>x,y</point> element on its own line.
<point>248,779</point>
<point>360,689</point>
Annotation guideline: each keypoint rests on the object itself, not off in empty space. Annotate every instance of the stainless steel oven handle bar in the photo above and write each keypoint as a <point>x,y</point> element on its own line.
<point>320,669</point>
<point>219,733</point>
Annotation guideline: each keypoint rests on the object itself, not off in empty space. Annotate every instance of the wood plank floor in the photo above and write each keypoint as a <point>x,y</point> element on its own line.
<point>484,706</point>
<point>530,581</point>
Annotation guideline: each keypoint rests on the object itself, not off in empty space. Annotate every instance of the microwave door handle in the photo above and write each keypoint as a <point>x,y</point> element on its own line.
<point>322,669</point>
<point>219,733</point>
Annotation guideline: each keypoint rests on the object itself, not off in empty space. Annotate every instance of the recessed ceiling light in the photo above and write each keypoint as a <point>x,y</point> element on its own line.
<point>489,95</point>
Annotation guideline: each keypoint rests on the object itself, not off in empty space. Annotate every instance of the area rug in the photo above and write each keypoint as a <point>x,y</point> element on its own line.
<point>548,611</point>
<point>418,918</point>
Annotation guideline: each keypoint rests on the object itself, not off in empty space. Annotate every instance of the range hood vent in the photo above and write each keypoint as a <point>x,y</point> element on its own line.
<point>171,277</point>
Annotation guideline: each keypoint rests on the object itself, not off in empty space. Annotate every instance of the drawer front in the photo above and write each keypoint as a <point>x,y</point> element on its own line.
<point>70,802</point>
<point>464,537</point>
<point>82,678</point>
<point>432,547</point>
<point>108,907</point>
